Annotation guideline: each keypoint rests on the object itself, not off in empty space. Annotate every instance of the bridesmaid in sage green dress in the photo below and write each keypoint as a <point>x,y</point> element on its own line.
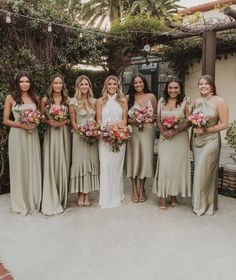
<point>140,148</point>
<point>56,147</point>
<point>24,148</point>
<point>173,172</point>
<point>84,174</point>
<point>206,147</point>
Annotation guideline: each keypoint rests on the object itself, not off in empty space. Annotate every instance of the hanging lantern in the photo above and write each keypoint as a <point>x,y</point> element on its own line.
<point>147,48</point>
<point>8,18</point>
<point>104,40</point>
<point>49,27</point>
<point>81,35</point>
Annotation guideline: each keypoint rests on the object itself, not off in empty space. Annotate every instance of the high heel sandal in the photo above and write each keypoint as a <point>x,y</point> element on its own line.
<point>143,198</point>
<point>80,201</point>
<point>162,204</point>
<point>174,204</point>
<point>134,200</point>
<point>87,203</point>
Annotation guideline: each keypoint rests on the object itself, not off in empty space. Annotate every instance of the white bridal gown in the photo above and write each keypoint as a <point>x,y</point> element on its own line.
<point>111,163</point>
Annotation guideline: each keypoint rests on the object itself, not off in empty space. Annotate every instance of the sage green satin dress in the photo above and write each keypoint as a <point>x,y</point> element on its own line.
<point>84,174</point>
<point>173,171</point>
<point>56,169</point>
<point>25,166</point>
<point>140,149</point>
<point>206,151</point>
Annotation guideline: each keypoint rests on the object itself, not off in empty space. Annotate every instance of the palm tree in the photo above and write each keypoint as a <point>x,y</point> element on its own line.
<point>96,12</point>
<point>158,8</point>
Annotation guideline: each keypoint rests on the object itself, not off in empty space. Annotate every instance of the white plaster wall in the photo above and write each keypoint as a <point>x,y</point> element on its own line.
<point>225,82</point>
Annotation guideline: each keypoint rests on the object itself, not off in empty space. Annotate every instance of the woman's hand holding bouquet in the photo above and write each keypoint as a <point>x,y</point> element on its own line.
<point>141,117</point>
<point>199,122</point>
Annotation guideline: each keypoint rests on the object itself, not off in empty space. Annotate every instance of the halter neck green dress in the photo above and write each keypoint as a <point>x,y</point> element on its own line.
<point>206,151</point>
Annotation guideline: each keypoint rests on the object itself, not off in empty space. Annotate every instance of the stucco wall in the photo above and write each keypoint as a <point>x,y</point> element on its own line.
<point>225,82</point>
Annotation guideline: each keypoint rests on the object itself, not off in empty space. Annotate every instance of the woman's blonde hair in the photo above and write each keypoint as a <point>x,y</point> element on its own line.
<point>87,102</point>
<point>119,93</point>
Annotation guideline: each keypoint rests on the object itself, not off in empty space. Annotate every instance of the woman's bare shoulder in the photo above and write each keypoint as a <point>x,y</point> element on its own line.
<point>219,99</point>
<point>9,98</point>
<point>99,101</point>
<point>151,95</point>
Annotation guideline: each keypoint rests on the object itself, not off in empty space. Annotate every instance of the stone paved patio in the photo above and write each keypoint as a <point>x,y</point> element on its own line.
<point>132,241</point>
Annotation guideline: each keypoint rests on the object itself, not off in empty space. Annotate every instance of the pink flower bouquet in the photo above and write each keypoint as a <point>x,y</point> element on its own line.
<point>57,113</point>
<point>142,117</point>
<point>114,135</point>
<point>29,116</point>
<point>170,122</point>
<point>198,120</point>
<point>89,132</point>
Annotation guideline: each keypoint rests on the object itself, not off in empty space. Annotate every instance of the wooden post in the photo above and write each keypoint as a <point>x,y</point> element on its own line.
<point>209,53</point>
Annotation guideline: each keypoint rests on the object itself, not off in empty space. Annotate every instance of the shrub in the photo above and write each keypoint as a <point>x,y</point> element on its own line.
<point>231,135</point>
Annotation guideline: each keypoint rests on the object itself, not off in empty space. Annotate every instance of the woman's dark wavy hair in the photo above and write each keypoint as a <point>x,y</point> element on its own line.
<point>180,97</point>
<point>49,94</point>
<point>131,91</point>
<point>17,94</point>
<point>209,79</point>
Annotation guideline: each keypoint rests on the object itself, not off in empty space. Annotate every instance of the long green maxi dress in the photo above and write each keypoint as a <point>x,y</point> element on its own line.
<point>206,151</point>
<point>56,168</point>
<point>25,166</point>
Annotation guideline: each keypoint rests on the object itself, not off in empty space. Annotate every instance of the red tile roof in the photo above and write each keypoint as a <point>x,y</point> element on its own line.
<point>207,7</point>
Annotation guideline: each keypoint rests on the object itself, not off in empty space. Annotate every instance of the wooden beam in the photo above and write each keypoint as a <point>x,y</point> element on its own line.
<point>199,31</point>
<point>230,12</point>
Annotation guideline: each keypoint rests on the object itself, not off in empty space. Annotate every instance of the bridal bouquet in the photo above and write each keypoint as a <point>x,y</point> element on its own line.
<point>198,120</point>
<point>29,116</point>
<point>114,135</point>
<point>142,117</point>
<point>89,132</point>
<point>170,122</point>
<point>57,113</point>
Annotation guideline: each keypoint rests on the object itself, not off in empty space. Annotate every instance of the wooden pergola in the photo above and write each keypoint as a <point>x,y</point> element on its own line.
<point>209,39</point>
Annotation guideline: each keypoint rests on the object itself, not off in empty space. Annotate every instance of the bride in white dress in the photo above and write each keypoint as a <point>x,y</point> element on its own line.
<point>111,107</point>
